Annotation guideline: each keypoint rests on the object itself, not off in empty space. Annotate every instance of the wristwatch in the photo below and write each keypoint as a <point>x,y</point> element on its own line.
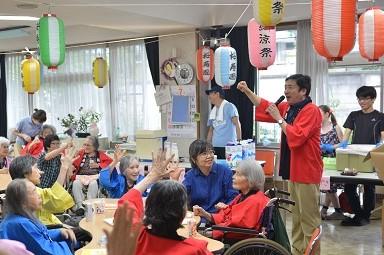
<point>280,121</point>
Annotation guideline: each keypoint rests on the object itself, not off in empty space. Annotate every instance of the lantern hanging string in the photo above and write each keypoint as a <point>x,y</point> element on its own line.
<point>237,21</point>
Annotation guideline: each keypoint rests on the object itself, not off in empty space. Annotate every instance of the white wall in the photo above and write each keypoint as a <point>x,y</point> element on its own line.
<point>185,46</point>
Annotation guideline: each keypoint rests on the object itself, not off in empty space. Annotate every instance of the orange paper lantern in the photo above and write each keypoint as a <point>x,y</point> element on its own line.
<point>333,27</point>
<point>371,34</point>
<point>205,64</point>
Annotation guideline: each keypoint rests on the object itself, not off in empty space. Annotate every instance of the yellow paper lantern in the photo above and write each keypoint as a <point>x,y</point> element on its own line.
<point>30,74</point>
<point>100,72</point>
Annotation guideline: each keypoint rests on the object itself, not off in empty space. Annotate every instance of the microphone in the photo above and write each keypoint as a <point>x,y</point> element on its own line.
<point>278,101</point>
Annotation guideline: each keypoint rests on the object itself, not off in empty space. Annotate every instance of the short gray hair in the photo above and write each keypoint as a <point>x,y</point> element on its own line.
<point>16,199</point>
<point>47,126</point>
<point>126,161</point>
<point>4,140</point>
<point>253,172</point>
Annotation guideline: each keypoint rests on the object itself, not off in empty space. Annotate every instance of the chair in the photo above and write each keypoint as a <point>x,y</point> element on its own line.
<point>269,157</point>
<point>314,242</point>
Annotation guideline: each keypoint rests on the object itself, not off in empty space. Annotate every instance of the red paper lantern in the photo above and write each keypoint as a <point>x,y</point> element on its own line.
<point>371,34</point>
<point>261,45</point>
<point>205,64</point>
<point>333,27</point>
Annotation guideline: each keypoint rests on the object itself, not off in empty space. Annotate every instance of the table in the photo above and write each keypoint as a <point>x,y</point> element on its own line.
<point>95,228</point>
<point>360,178</point>
<point>5,179</point>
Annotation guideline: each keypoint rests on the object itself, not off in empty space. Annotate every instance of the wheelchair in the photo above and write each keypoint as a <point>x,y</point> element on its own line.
<point>272,237</point>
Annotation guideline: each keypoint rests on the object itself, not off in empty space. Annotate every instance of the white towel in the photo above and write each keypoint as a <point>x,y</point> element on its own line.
<point>217,114</point>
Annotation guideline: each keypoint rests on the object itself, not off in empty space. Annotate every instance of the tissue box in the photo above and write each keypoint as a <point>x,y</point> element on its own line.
<point>233,155</point>
<point>353,157</point>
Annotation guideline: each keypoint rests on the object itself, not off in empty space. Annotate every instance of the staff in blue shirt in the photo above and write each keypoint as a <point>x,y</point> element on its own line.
<point>118,183</point>
<point>208,184</point>
<point>20,223</point>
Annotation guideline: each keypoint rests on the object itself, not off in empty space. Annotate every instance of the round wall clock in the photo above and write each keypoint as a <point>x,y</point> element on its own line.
<point>184,73</point>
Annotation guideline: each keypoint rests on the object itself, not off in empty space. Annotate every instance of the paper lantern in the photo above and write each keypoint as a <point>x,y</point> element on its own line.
<point>371,34</point>
<point>225,66</point>
<point>268,13</point>
<point>30,74</point>
<point>51,40</point>
<point>205,64</point>
<point>100,72</point>
<point>261,45</point>
<point>333,27</point>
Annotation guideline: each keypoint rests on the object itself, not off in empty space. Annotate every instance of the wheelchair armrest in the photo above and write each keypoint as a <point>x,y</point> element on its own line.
<point>235,230</point>
<point>54,226</point>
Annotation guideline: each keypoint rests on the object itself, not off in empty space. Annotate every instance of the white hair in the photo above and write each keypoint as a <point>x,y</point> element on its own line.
<point>4,140</point>
<point>253,172</point>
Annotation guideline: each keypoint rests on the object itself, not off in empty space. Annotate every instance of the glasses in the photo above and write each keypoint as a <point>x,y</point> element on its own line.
<point>207,154</point>
<point>364,99</point>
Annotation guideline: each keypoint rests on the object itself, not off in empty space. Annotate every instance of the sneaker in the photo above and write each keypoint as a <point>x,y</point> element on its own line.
<point>336,216</point>
<point>354,222</point>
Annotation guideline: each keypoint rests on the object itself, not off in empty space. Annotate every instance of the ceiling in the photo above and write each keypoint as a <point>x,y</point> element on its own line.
<point>103,20</point>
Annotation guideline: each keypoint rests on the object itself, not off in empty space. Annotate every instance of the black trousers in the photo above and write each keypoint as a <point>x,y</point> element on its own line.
<point>354,200</point>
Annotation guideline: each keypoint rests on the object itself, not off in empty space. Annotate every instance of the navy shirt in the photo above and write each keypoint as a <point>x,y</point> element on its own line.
<point>207,191</point>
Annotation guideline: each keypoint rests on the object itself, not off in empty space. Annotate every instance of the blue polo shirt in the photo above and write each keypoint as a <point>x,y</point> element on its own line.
<point>206,191</point>
<point>26,126</point>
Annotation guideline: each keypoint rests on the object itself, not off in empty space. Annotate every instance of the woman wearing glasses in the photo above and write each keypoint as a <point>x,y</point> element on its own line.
<point>208,184</point>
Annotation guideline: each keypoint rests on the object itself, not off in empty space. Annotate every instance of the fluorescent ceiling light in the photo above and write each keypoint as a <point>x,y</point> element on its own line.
<point>18,18</point>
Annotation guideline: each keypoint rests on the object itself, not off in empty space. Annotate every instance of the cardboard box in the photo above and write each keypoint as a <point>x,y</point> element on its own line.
<point>354,157</point>
<point>148,141</point>
<point>376,156</point>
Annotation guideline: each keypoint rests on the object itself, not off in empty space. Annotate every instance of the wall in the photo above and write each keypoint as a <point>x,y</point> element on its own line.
<point>186,46</point>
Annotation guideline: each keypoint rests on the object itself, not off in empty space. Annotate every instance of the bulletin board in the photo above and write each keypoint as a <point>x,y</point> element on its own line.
<point>181,112</point>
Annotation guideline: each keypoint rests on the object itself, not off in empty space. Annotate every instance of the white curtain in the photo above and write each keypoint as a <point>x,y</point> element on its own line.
<point>310,63</point>
<point>132,89</point>
<point>63,91</point>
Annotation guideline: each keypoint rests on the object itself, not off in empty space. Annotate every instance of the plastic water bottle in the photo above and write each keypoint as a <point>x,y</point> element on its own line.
<point>191,226</point>
<point>103,241</point>
<point>175,150</point>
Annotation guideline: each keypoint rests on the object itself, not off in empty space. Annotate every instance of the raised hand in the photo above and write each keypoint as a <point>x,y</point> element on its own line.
<point>242,86</point>
<point>118,154</point>
<point>122,239</point>
<point>159,164</point>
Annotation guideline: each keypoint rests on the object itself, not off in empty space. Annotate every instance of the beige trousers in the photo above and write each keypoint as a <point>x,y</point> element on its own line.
<point>305,214</point>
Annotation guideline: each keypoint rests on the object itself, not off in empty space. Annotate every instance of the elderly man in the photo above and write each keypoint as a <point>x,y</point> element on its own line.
<point>300,160</point>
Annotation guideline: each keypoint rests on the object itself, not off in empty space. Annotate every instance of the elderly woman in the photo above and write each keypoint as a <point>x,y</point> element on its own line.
<point>55,199</point>
<point>4,151</point>
<point>246,209</point>
<point>117,183</point>
<point>87,165</point>
<point>165,209</point>
<point>21,224</point>
<point>208,184</point>
<point>36,146</point>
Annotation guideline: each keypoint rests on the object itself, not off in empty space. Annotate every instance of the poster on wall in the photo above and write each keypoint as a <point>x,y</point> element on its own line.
<point>181,123</point>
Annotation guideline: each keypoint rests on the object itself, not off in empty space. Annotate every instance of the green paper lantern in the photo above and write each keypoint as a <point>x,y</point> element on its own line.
<point>51,39</point>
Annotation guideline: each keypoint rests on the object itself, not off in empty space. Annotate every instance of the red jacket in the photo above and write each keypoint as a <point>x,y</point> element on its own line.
<point>303,138</point>
<point>34,150</point>
<point>245,214</point>
<point>149,244</point>
<point>105,160</point>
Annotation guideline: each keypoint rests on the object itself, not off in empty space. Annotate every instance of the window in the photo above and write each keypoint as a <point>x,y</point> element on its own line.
<point>343,81</point>
<point>271,82</point>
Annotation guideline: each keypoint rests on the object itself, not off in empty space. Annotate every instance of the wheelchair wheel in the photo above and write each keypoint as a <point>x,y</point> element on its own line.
<point>256,246</point>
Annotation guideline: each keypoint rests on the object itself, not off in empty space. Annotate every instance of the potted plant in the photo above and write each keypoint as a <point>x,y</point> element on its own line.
<point>83,125</point>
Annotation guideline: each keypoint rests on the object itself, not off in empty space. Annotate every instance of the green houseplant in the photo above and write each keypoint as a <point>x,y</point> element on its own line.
<point>81,124</point>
